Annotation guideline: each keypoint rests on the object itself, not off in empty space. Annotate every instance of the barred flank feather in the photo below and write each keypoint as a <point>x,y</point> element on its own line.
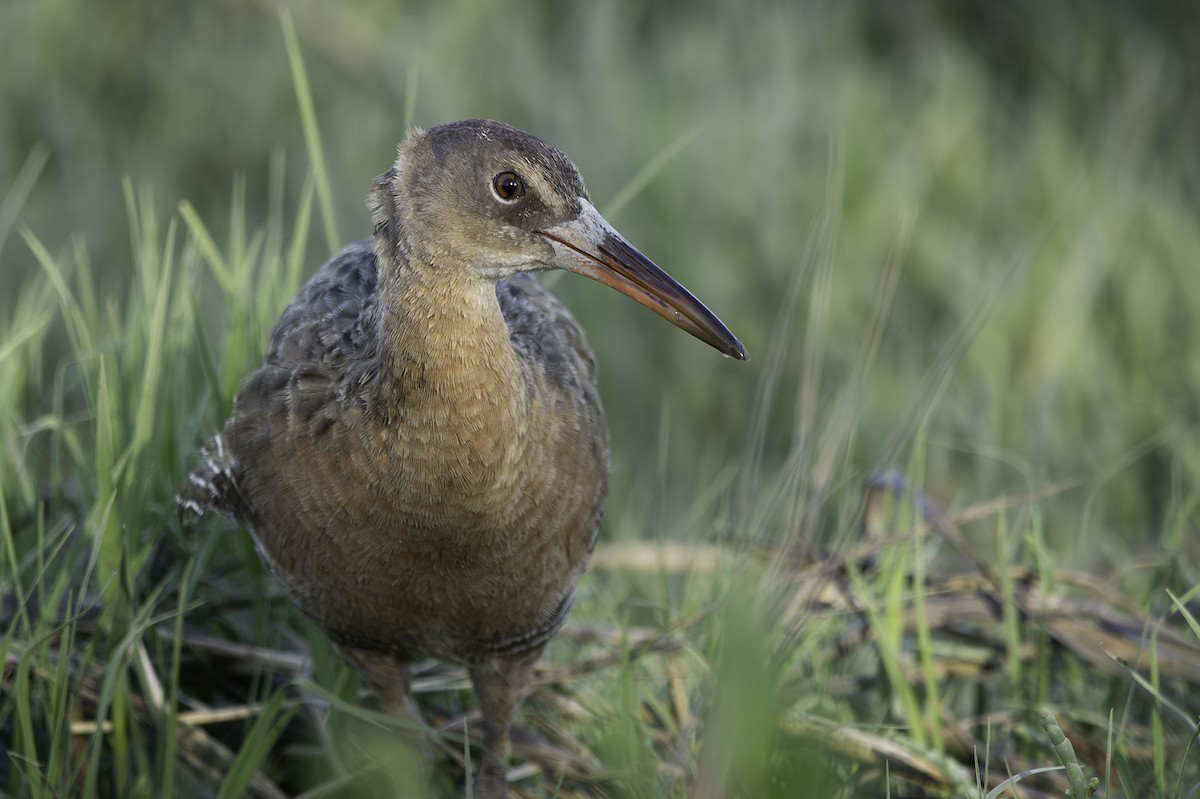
<point>212,485</point>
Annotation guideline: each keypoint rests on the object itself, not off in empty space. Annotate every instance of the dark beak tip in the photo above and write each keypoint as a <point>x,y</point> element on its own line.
<point>735,349</point>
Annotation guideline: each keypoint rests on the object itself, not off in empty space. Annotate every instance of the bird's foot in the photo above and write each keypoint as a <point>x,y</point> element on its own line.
<point>491,779</point>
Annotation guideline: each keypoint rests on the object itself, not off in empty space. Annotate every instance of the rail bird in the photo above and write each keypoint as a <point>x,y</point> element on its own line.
<point>422,458</point>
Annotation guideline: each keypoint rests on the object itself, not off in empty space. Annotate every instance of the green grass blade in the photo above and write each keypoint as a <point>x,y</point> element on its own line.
<point>1178,602</point>
<point>208,248</point>
<point>312,133</point>
<point>1066,754</point>
<point>1014,779</point>
<point>638,183</point>
<point>157,282</point>
<point>18,193</point>
<point>256,746</point>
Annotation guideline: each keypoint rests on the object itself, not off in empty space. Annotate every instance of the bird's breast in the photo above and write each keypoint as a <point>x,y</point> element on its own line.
<point>483,492</point>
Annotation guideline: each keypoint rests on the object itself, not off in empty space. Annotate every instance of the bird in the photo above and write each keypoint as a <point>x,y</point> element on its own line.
<point>422,458</point>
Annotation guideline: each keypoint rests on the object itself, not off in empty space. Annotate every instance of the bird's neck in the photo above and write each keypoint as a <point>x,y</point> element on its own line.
<point>462,417</point>
<point>450,354</point>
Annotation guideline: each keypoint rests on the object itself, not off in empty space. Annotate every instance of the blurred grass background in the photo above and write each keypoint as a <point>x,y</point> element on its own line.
<point>1026,174</point>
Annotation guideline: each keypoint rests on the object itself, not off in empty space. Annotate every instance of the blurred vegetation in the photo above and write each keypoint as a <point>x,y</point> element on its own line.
<point>1023,175</point>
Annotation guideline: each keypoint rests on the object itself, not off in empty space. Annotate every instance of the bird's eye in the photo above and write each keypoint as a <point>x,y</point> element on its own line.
<point>508,186</point>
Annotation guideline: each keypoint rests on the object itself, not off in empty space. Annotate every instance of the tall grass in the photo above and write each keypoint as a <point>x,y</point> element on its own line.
<point>997,303</point>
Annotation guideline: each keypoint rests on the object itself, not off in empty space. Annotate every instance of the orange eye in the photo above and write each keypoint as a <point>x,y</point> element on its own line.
<point>508,186</point>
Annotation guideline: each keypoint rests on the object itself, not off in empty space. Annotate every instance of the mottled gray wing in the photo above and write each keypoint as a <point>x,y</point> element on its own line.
<point>325,322</point>
<point>322,330</point>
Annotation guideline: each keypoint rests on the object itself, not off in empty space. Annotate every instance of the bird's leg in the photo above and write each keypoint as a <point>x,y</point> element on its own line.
<point>389,676</point>
<point>500,685</point>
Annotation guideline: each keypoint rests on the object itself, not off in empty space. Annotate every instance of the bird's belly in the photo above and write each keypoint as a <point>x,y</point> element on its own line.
<point>441,566</point>
<point>411,595</point>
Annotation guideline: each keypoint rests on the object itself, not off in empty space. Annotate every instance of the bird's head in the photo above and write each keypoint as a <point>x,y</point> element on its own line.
<point>490,199</point>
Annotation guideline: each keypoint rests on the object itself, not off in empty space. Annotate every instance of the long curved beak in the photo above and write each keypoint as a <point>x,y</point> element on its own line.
<point>589,246</point>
